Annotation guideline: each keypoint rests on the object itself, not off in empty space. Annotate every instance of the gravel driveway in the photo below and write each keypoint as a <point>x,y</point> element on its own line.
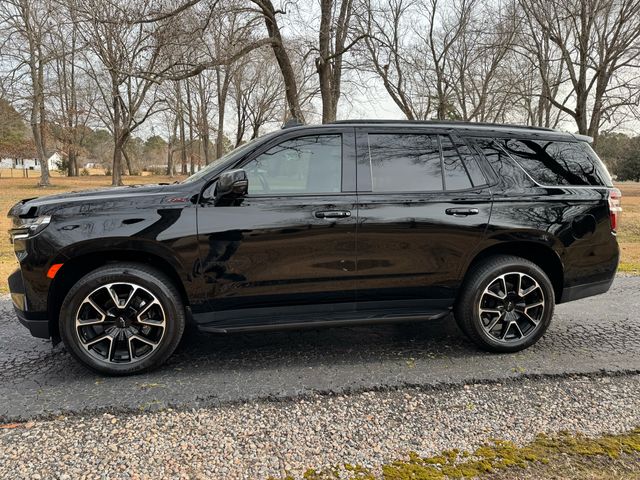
<point>589,336</point>
<point>262,439</point>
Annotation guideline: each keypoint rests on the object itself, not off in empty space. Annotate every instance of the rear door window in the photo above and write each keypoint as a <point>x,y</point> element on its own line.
<point>556,163</point>
<point>405,163</point>
<point>421,163</point>
<point>461,169</point>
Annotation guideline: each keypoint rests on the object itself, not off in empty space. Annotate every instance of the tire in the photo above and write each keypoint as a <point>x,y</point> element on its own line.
<point>136,334</point>
<point>461,327</point>
<point>498,313</point>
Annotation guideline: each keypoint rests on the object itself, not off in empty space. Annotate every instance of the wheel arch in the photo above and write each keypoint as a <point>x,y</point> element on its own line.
<point>542,255</point>
<point>83,263</point>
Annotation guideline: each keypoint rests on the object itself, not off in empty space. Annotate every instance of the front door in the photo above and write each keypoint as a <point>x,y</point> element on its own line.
<point>424,204</point>
<point>291,240</point>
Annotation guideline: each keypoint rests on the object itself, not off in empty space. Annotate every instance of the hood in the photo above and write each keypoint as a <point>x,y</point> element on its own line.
<point>31,207</point>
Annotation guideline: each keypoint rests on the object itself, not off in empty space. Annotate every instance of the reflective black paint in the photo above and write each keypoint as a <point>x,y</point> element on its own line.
<point>275,251</point>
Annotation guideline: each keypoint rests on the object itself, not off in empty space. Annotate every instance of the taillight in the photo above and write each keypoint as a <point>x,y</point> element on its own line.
<point>615,207</point>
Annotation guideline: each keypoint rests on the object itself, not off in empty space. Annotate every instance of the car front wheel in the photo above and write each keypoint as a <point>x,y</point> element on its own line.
<point>122,319</point>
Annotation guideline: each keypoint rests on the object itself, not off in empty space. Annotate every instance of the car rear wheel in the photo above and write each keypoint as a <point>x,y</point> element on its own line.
<point>506,304</point>
<point>122,319</point>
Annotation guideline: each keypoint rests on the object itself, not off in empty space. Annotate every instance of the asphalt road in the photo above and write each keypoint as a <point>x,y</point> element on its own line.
<point>592,336</point>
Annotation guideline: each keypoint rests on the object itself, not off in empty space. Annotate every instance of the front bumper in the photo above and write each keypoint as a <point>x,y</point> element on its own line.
<point>36,322</point>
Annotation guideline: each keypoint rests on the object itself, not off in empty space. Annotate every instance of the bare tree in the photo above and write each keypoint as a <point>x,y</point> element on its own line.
<point>411,46</point>
<point>27,29</point>
<point>117,50</point>
<point>599,46</point>
<point>443,27</point>
<point>387,32</point>
<point>334,32</point>
<point>538,73</point>
<point>200,61</point>
<point>232,29</point>
<point>72,98</point>
<point>204,101</point>
<point>257,92</point>
<point>478,72</point>
<point>281,54</point>
<point>181,119</point>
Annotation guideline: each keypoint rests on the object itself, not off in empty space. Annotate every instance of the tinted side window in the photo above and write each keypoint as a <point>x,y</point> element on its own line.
<point>455,174</point>
<point>461,169</point>
<point>310,164</point>
<point>405,163</point>
<point>471,164</point>
<point>556,163</point>
<point>602,169</point>
<point>505,168</point>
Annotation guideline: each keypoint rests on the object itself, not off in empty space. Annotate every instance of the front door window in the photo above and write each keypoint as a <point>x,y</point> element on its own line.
<point>304,165</point>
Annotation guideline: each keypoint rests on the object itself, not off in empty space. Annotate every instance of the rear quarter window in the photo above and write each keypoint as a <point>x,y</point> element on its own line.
<point>556,163</point>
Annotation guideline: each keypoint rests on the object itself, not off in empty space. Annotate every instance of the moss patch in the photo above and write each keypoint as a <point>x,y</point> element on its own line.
<point>493,457</point>
<point>630,268</point>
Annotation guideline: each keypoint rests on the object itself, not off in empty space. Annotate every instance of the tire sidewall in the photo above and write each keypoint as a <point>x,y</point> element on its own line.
<point>156,283</point>
<point>485,279</point>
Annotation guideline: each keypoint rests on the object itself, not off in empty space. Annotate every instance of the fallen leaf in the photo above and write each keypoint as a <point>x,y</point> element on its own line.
<point>11,425</point>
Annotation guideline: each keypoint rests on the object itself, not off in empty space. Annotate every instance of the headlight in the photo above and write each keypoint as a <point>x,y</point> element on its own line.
<point>29,226</point>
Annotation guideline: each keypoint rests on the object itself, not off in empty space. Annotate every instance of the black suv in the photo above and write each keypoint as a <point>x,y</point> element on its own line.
<point>351,222</point>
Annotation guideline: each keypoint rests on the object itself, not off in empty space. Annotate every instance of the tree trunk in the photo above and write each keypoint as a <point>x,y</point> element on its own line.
<point>329,102</point>
<point>72,161</point>
<point>441,112</point>
<point>282,57</point>
<point>116,167</point>
<point>323,64</point>
<point>170,160</point>
<point>329,63</point>
<point>127,159</point>
<point>39,142</point>
<point>204,121</point>
<point>192,166</point>
<point>241,123</point>
<point>39,127</point>
<point>183,148</point>
<point>256,131</point>
<point>223,81</point>
<point>116,174</point>
<point>220,134</point>
<point>170,147</point>
<point>180,120</point>
<point>240,128</point>
<point>206,144</point>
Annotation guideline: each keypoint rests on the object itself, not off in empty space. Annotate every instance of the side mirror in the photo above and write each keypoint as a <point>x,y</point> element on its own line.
<point>233,183</point>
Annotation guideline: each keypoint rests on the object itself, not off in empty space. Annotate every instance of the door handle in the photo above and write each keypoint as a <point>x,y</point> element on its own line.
<point>461,212</point>
<point>333,214</point>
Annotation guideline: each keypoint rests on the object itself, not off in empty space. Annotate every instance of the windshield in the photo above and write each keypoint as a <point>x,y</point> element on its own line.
<point>233,155</point>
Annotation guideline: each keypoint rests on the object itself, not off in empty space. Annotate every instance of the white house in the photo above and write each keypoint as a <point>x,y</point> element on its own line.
<point>30,163</point>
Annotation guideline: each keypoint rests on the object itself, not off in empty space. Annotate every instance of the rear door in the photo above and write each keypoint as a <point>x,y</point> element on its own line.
<point>291,240</point>
<point>424,204</point>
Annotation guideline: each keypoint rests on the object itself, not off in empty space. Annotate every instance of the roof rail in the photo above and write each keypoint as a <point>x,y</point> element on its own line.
<point>292,122</point>
<point>454,123</point>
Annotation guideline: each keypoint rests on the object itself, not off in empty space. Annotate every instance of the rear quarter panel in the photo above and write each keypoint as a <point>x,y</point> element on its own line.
<point>574,222</point>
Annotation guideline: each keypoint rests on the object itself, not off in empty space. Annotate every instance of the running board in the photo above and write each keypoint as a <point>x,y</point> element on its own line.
<point>337,319</point>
